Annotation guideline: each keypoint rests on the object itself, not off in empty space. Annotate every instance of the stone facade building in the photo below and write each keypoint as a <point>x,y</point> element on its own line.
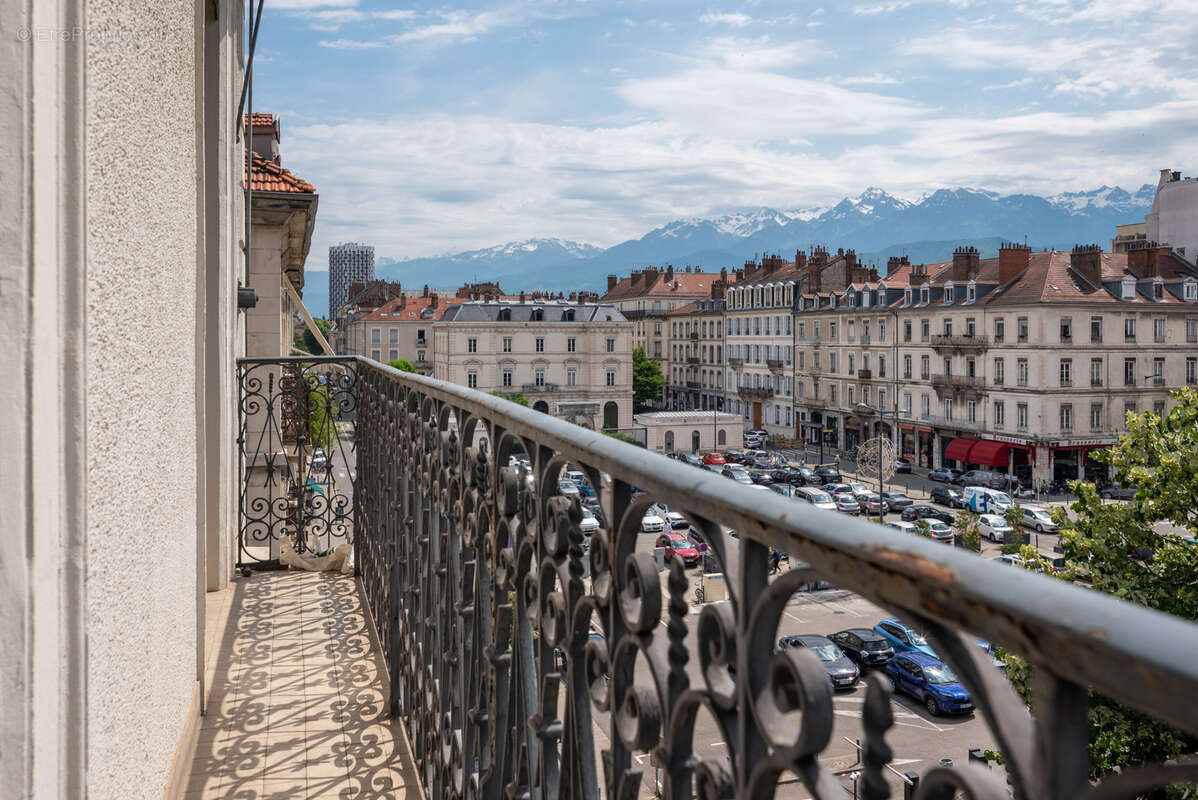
<point>696,370</point>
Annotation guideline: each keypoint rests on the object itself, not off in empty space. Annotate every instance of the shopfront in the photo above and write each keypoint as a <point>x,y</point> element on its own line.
<point>852,433</point>
<point>1071,460</point>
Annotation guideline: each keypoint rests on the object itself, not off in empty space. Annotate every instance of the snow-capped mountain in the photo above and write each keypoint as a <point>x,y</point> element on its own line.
<point>874,222</point>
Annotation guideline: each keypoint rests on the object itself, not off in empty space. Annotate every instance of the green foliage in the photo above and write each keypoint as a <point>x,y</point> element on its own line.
<point>322,415</point>
<point>923,528</point>
<point>647,379</point>
<point>623,437</point>
<point>308,340</point>
<point>1014,517</point>
<point>401,364</point>
<point>971,535</point>
<point>1105,546</point>
<point>515,397</point>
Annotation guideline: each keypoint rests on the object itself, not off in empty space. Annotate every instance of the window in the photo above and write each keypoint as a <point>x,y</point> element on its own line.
<point>833,358</point>
<point>907,297</point>
<point>832,394</point>
<point>1021,371</point>
<point>540,344</point>
<point>657,328</point>
<point>539,377</point>
<point>507,344</point>
<point>1021,329</point>
<point>611,377</point>
<point>1158,371</point>
<point>571,377</point>
<point>831,331</point>
<point>1191,291</point>
<point>1129,288</point>
<point>925,328</point>
<point>374,354</point>
<point>1096,416</point>
<point>1192,330</point>
<point>611,345</point>
<point>1191,371</point>
<point>948,366</point>
<point>1066,372</point>
<point>571,345</point>
<point>852,332</point>
<point>907,330</point>
<point>1021,416</point>
<point>1000,413</point>
<point>1066,329</point>
<point>852,396</point>
<point>420,336</point>
<point>376,336</point>
<point>971,327</point>
<point>802,364</point>
<point>881,398</point>
<point>971,410</point>
<point>1158,408</point>
<point>1095,329</point>
<point>1129,407</point>
<point>802,331</point>
<point>948,327</point>
<point>1000,372</point>
<point>1066,416</point>
<point>1000,329</point>
<point>419,355</point>
<point>925,294</point>
<point>925,368</point>
<point>971,368</point>
<point>392,354</point>
<point>948,408</point>
<point>852,367</point>
<point>1129,329</point>
<point>472,379</point>
<point>472,345</point>
<point>1158,331</point>
<point>1129,372</point>
<point>507,377</point>
<point>925,406</point>
<point>394,336</point>
<point>1096,372</point>
<point>1158,291</point>
<point>906,366</point>
<point>881,330</point>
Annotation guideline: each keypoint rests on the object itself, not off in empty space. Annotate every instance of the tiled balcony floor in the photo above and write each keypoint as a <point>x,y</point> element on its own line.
<point>297,707</point>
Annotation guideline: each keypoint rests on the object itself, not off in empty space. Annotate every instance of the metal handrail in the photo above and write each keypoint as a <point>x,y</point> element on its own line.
<point>481,561</point>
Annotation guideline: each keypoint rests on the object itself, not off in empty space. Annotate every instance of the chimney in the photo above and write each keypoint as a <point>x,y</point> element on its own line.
<point>850,258</point>
<point>612,280</point>
<point>636,277</point>
<point>919,275</point>
<point>873,274</point>
<point>740,274</point>
<point>403,301</point>
<point>425,290</point>
<point>892,264</point>
<point>965,264</point>
<point>819,256</point>
<point>1086,260</point>
<point>650,276</point>
<point>1012,260</point>
<point>814,283</point>
<point>521,296</point>
<point>750,267</point>
<point>670,273</point>
<point>724,275</point>
<point>717,289</point>
<point>432,300</point>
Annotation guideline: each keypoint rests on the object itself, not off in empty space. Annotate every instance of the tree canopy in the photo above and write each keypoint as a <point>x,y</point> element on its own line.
<point>515,397</point>
<point>401,364</point>
<point>647,380</point>
<point>308,340</point>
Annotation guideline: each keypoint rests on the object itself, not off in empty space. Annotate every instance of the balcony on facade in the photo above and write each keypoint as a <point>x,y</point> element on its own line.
<point>736,362</point>
<point>955,423</point>
<point>539,388</point>
<point>692,384</point>
<point>693,336</point>
<point>963,342</point>
<point>865,374</point>
<point>864,339</point>
<point>774,364</point>
<point>949,385</point>
<point>755,392</point>
<point>692,359</point>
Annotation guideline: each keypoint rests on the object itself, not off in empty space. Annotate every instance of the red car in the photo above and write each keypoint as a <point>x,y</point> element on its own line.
<point>716,459</point>
<point>678,544</point>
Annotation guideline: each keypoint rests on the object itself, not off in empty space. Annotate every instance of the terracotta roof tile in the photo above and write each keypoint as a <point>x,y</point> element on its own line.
<point>397,310</point>
<point>683,284</point>
<point>271,177</point>
<point>262,120</point>
<point>689,308</point>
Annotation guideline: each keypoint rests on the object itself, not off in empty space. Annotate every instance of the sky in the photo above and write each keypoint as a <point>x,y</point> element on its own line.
<point>430,128</point>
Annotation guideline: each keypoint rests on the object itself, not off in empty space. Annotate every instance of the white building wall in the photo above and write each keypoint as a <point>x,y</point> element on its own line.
<point>1173,219</point>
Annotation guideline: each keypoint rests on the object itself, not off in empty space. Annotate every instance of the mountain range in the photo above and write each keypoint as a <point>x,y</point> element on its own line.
<point>875,223</point>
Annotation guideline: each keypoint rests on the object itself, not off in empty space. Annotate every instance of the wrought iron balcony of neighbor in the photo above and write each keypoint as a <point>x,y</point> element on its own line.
<point>527,660</point>
<point>755,392</point>
<point>736,361</point>
<point>963,342</point>
<point>774,364</point>
<point>538,388</point>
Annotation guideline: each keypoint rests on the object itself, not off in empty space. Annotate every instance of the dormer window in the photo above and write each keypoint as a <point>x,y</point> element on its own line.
<point>1190,291</point>
<point>907,296</point>
<point>568,315</point>
<point>1129,288</point>
<point>1158,290</point>
<point>971,292</point>
<point>538,315</point>
<point>505,315</point>
<point>865,299</point>
<point>948,294</point>
<point>925,295</point>
<point>832,301</point>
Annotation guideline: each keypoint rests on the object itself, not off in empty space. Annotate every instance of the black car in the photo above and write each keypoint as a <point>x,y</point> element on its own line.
<point>692,459</point>
<point>866,647</point>
<point>828,473</point>
<point>841,671</point>
<point>734,457</point>
<point>784,489</point>
<point>1116,492</point>
<point>947,497</point>
<point>913,513</point>
<point>791,476</point>
<point>760,477</point>
<point>809,476</point>
<point>945,475</point>
<point>897,501</point>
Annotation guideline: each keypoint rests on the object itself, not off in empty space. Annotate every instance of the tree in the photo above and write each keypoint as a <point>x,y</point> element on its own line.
<point>971,534</point>
<point>623,437</point>
<point>322,416</point>
<point>308,340</point>
<point>515,397</point>
<point>401,364</point>
<point>1013,516</point>
<point>647,379</point>
<point>1114,548</point>
<point>923,528</point>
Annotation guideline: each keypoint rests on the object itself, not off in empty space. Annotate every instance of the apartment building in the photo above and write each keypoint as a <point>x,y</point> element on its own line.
<point>647,296</point>
<point>569,359</point>
<point>696,371</point>
<point>402,328</point>
<point>1025,363</point>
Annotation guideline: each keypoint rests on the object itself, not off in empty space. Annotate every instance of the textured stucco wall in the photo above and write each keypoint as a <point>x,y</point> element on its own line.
<point>141,441</point>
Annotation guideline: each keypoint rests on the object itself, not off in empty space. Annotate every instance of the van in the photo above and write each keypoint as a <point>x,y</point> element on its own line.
<point>985,477</point>
<point>816,497</point>
<point>983,500</point>
<point>901,527</point>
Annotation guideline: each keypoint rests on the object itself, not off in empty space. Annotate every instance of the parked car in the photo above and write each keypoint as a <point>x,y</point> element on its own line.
<point>652,523</point>
<point>590,523</point>
<point>984,477</point>
<point>784,489</point>
<point>837,488</point>
<point>786,475</point>
<point>1041,563</point>
<point>1117,492</point>
<point>931,681</point>
<point>984,500</point>
<point>716,468</point>
<point>858,487</point>
<point>732,457</point>
<point>320,462</point>
<point>678,544</point>
<point>902,465</point>
<point>692,459</point>
<point>737,474</point>
<point>947,497</point>
<point>912,513</point>
<point>809,476</point>
<point>760,477</point>
<point>903,638</point>
<point>752,441</point>
<point>866,647</point>
<point>944,475</point>
<point>902,526</point>
<point>846,502</point>
<point>828,473</point>
<point>759,433</point>
<point>1038,519</point>
<point>567,488</point>
<point>593,505</point>
<point>897,501</point>
<point>994,527</point>
<point>676,522</point>
<point>940,531</point>
<point>714,458</point>
<point>817,498</point>
<point>841,670</point>
<point>869,502</point>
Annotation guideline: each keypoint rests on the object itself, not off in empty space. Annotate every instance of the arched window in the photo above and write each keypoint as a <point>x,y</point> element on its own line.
<point>721,437</point>
<point>694,440</point>
<point>611,414</point>
<point>669,441</point>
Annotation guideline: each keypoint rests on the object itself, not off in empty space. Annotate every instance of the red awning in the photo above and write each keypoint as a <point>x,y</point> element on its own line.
<point>958,449</point>
<point>989,454</point>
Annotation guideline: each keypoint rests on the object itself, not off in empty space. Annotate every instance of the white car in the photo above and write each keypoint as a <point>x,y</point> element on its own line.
<point>651,523</point>
<point>676,521</point>
<point>589,523</point>
<point>567,488</point>
<point>994,527</point>
<point>941,532</point>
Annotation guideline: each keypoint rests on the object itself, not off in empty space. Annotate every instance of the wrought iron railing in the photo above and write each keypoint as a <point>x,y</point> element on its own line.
<point>504,660</point>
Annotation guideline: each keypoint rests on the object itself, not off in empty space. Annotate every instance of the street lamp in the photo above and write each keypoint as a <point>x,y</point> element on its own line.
<point>881,500</point>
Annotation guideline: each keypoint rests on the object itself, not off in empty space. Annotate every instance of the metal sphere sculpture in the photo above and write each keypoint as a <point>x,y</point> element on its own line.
<point>870,451</point>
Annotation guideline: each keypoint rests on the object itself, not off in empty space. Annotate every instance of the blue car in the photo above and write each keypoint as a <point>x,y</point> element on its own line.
<point>930,681</point>
<point>903,638</point>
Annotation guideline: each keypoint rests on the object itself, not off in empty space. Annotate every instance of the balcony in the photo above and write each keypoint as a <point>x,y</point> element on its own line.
<point>692,384</point>
<point>948,385</point>
<point>961,342</point>
<point>755,392</point>
<point>1157,381</point>
<point>692,359</point>
<point>736,362</point>
<point>538,388</point>
<point>1095,381</point>
<point>774,364</point>
<point>864,339</point>
<point>520,663</point>
<point>865,374</point>
<point>693,336</point>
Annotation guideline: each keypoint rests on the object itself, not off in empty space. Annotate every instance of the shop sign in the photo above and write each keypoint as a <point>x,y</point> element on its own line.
<point>1009,439</point>
<point>1100,442</point>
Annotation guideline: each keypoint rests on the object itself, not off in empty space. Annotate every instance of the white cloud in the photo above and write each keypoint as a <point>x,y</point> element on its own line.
<point>351,44</point>
<point>308,5</point>
<point>878,9</point>
<point>735,20</point>
<point>394,14</point>
<point>761,53</point>
<point>459,25</point>
<point>876,79</point>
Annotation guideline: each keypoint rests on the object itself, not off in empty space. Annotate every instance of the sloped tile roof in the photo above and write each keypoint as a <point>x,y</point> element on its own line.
<point>683,284</point>
<point>268,176</point>
<point>262,120</point>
